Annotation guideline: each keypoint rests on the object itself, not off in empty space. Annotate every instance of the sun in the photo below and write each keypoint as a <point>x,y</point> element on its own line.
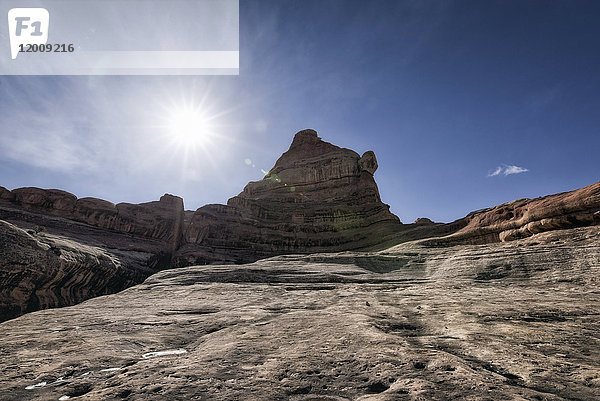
<point>188,127</point>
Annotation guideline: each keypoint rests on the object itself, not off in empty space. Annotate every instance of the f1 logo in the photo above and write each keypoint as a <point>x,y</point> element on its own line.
<point>27,26</point>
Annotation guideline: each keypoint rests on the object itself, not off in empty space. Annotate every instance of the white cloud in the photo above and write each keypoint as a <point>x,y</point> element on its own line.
<point>514,170</point>
<point>496,172</point>
<point>507,170</point>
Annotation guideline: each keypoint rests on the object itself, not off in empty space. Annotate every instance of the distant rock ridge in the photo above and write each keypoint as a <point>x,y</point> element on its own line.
<point>423,220</point>
<point>160,220</point>
<point>525,217</point>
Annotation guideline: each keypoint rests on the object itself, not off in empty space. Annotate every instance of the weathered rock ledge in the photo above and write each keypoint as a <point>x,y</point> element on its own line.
<point>525,217</point>
<point>40,270</point>
<point>161,220</point>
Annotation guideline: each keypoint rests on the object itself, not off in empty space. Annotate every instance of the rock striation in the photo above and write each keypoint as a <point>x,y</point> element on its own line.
<point>317,198</point>
<point>39,271</point>
<point>59,250</point>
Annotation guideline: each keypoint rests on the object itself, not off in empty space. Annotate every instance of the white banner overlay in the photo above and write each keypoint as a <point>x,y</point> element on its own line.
<point>114,37</point>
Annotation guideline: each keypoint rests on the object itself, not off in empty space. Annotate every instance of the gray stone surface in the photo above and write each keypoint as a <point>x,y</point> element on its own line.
<point>419,321</point>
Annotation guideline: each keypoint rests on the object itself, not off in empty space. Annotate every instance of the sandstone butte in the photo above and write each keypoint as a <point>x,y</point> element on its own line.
<point>317,198</point>
<point>356,305</point>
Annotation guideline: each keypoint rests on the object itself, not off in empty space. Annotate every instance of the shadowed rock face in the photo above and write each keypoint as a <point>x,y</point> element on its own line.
<point>58,250</point>
<point>317,197</point>
<point>502,321</point>
<point>39,270</point>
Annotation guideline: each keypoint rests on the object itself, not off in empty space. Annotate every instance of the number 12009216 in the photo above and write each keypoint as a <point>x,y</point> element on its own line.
<point>47,48</point>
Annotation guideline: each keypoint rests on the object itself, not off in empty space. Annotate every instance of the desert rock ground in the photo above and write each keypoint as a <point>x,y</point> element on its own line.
<point>419,321</point>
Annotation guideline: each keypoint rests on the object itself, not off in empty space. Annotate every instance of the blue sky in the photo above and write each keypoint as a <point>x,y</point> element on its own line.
<point>445,93</point>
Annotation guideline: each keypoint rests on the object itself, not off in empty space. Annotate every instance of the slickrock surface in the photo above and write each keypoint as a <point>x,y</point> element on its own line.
<point>318,197</point>
<point>504,321</point>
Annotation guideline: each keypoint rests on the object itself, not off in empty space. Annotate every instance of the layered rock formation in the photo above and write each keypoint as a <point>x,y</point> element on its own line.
<point>75,249</point>
<point>40,270</point>
<point>318,197</point>
<point>525,217</point>
<point>161,220</point>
